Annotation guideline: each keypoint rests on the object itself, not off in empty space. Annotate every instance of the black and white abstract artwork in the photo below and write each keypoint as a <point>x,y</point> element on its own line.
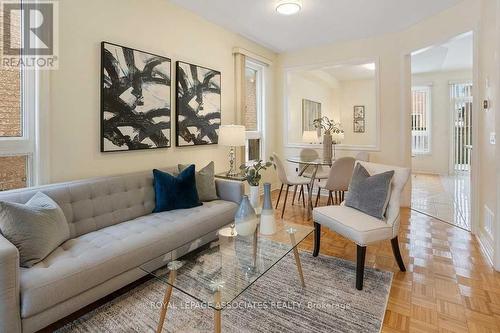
<point>198,105</point>
<point>135,99</point>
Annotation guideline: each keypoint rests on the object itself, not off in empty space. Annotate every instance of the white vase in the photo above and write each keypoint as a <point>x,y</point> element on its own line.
<point>254,197</point>
<point>267,220</point>
<point>245,220</point>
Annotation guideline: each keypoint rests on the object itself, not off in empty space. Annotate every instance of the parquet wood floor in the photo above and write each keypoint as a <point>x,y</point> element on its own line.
<point>448,287</point>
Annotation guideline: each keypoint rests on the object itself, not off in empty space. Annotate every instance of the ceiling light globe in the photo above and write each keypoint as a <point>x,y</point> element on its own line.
<point>288,7</point>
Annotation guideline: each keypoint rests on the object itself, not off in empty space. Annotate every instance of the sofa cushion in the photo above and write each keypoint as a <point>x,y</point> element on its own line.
<point>87,261</point>
<point>35,228</point>
<point>175,192</point>
<point>205,181</point>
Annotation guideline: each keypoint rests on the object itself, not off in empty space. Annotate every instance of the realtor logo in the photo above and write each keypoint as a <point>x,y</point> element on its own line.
<point>30,34</point>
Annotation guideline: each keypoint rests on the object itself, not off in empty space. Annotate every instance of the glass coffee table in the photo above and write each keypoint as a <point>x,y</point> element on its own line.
<point>218,272</point>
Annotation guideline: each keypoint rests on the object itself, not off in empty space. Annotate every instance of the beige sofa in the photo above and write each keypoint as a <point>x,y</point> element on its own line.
<point>113,231</point>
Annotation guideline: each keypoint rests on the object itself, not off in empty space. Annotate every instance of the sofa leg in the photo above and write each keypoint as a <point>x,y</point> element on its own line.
<point>279,196</point>
<point>317,238</point>
<point>397,254</point>
<point>360,266</point>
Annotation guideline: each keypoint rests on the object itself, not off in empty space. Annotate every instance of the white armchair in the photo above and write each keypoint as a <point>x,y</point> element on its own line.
<point>361,228</point>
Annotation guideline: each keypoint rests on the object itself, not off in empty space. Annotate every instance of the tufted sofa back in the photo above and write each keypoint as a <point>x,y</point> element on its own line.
<point>92,204</point>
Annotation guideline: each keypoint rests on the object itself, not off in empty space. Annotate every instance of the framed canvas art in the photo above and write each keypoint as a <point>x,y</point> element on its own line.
<point>198,105</point>
<point>135,99</point>
<point>359,125</point>
<point>359,112</point>
<point>310,110</point>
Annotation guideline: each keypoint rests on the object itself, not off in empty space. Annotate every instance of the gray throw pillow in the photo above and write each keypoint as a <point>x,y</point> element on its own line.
<point>205,182</point>
<point>369,194</point>
<point>36,228</point>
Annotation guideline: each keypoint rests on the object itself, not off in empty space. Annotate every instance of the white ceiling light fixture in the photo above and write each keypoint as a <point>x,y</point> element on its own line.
<point>288,7</point>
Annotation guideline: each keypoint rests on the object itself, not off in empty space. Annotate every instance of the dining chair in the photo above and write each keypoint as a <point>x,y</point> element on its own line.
<point>289,181</point>
<point>338,180</point>
<point>364,229</point>
<point>363,156</point>
<point>309,154</point>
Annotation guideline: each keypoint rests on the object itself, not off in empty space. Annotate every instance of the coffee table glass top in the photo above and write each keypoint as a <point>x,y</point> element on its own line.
<point>228,265</point>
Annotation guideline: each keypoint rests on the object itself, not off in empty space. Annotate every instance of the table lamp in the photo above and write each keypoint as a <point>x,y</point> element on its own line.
<point>310,137</point>
<point>337,138</point>
<point>232,136</point>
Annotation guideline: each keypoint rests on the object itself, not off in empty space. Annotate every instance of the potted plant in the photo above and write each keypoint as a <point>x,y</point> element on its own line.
<point>252,176</point>
<point>329,127</point>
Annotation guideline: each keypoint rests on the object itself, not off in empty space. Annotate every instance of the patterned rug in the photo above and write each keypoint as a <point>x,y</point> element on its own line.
<point>275,303</point>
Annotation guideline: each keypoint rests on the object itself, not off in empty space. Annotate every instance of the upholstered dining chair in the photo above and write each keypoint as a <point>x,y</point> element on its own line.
<point>363,156</point>
<point>338,180</point>
<point>289,181</point>
<point>309,154</point>
<point>361,228</point>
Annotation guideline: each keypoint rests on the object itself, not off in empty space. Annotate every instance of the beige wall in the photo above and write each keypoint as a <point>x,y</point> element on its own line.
<point>394,74</point>
<point>302,86</point>
<point>437,161</point>
<point>358,92</point>
<point>488,89</point>
<point>158,27</point>
<point>337,100</point>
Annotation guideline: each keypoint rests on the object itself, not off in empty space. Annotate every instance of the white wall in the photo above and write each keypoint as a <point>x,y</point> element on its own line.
<point>156,26</point>
<point>437,161</point>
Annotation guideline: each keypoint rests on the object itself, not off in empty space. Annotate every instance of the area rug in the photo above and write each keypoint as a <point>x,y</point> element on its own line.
<point>275,303</point>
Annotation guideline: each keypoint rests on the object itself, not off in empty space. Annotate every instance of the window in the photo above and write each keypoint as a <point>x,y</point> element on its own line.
<point>420,120</point>
<point>17,101</point>
<point>254,109</point>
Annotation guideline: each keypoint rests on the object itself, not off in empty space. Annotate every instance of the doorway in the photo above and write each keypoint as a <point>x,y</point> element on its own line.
<point>441,126</point>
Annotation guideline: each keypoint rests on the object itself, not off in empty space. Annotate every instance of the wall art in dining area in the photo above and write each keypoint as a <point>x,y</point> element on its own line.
<point>135,99</point>
<point>198,105</point>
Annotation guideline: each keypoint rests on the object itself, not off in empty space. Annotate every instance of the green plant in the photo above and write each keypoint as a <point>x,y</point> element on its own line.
<point>327,125</point>
<point>252,171</point>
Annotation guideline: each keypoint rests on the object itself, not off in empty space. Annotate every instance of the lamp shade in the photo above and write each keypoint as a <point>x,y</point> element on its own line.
<point>310,137</point>
<point>232,135</point>
<point>338,137</point>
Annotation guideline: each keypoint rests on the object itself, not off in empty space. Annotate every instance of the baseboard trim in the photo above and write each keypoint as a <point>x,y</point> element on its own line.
<point>486,245</point>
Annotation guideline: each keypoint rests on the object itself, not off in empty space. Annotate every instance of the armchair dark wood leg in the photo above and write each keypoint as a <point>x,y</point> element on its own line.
<point>360,266</point>
<point>303,196</point>
<point>336,198</point>
<point>317,238</point>
<point>397,254</point>
<point>317,197</point>
<point>294,193</point>
<point>279,196</point>
<point>286,197</point>
<point>301,192</point>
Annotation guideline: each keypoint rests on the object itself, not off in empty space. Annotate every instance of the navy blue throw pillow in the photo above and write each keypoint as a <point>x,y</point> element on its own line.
<point>175,192</point>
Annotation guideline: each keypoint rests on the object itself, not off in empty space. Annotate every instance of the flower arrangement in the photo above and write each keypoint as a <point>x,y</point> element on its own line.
<point>328,125</point>
<point>252,171</point>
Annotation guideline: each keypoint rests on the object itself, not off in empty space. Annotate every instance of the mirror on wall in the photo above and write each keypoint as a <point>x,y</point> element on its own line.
<point>345,93</point>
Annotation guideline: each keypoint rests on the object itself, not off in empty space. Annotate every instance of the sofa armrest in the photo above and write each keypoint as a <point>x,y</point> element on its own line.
<point>229,190</point>
<point>10,312</point>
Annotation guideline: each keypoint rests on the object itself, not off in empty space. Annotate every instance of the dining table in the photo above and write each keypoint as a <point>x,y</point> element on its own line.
<point>314,164</point>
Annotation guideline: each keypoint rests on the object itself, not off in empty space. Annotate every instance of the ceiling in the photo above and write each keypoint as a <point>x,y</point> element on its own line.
<point>455,54</point>
<point>319,22</point>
